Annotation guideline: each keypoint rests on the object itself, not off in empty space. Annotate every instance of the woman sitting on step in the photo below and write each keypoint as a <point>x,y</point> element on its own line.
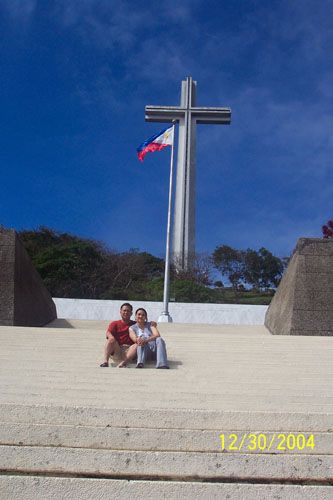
<point>150,343</point>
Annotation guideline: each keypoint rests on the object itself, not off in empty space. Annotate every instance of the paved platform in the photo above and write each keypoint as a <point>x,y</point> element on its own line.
<point>69,427</point>
<point>212,367</point>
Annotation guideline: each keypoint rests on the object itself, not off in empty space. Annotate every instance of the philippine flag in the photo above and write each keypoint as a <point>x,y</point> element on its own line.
<point>156,143</point>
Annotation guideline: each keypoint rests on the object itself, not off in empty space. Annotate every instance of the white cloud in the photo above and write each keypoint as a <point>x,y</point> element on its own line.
<point>101,91</point>
<point>165,64</point>
<point>20,10</point>
<point>109,24</point>
<point>105,25</point>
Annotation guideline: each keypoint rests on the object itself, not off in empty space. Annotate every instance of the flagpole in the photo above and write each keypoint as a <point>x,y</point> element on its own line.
<point>165,316</point>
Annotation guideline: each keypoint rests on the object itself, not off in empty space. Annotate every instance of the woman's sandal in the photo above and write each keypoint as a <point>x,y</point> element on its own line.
<point>104,365</point>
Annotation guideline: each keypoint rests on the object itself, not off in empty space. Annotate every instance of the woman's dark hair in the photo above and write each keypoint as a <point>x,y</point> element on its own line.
<point>142,309</point>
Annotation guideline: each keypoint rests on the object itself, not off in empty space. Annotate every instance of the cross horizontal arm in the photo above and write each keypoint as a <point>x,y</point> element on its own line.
<point>212,115</point>
<point>163,113</point>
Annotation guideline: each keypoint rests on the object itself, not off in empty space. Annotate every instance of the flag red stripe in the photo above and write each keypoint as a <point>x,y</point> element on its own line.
<point>153,146</point>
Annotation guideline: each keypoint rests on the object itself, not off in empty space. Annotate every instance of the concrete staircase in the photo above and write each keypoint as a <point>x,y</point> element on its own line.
<point>72,430</point>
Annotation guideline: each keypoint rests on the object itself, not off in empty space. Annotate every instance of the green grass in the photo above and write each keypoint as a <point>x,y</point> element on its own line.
<point>248,297</point>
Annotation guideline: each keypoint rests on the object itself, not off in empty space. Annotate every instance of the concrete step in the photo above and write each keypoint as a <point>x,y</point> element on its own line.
<point>151,418</point>
<point>169,465</point>
<point>56,488</point>
<point>125,438</point>
<point>166,430</point>
<point>296,403</point>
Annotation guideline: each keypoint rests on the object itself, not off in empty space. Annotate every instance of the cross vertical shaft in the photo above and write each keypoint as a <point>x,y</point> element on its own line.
<point>184,214</point>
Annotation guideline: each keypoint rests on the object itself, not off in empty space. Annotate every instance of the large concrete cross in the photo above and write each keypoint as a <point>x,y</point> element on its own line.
<point>188,115</point>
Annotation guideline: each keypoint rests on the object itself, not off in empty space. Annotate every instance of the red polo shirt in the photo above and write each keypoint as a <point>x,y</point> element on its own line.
<point>119,330</point>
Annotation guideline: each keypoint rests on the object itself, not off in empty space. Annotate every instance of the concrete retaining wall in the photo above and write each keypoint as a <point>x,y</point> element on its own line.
<point>222,314</point>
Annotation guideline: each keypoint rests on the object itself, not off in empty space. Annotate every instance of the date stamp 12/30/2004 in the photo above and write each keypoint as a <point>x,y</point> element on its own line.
<point>275,442</point>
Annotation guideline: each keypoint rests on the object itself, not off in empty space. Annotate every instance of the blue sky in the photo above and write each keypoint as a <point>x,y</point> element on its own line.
<point>75,79</point>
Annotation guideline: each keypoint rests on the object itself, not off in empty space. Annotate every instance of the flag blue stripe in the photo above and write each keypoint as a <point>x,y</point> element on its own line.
<point>151,139</point>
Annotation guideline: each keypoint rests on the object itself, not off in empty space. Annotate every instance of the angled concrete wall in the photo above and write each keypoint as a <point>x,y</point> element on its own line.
<point>303,303</point>
<point>6,277</point>
<point>24,299</point>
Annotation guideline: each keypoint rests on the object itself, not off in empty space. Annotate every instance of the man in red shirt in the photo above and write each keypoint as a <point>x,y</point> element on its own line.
<point>118,341</point>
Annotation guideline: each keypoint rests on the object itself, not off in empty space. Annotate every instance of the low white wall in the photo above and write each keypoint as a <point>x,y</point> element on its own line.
<point>216,314</point>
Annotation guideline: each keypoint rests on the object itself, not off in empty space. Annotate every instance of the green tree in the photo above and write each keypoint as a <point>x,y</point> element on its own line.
<point>189,291</point>
<point>181,290</point>
<point>262,269</point>
<point>84,268</point>
<point>230,263</point>
<point>69,266</point>
<point>198,271</point>
<point>73,270</point>
<point>44,237</point>
<point>126,273</point>
<point>74,267</point>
